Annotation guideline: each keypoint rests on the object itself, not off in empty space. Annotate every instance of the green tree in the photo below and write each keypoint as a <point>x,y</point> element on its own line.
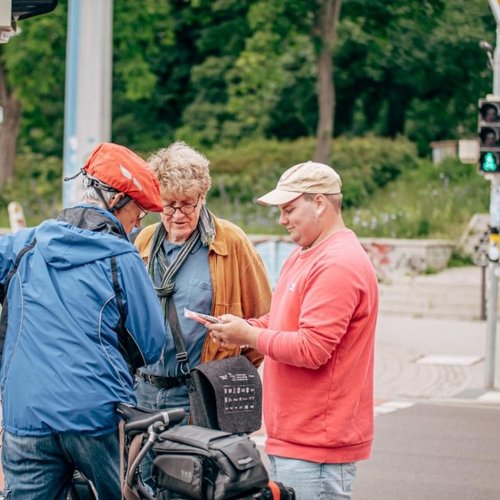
<point>215,33</point>
<point>412,68</point>
<point>32,81</point>
<point>143,37</point>
<point>218,72</point>
<point>291,42</point>
<point>9,126</point>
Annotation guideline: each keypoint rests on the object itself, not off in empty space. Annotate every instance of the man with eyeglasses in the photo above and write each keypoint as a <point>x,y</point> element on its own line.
<point>80,315</point>
<point>202,263</point>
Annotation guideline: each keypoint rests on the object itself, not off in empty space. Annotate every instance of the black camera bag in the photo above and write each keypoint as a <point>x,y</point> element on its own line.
<point>207,464</point>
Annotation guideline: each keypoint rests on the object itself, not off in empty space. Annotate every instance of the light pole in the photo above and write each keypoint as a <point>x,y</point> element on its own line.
<point>87,113</point>
<point>491,312</point>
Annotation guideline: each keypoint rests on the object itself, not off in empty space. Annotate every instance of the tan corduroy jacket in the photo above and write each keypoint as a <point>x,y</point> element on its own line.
<point>240,285</point>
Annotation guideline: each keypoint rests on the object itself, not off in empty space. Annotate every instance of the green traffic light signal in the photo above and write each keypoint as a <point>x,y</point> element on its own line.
<point>489,162</point>
<point>488,128</point>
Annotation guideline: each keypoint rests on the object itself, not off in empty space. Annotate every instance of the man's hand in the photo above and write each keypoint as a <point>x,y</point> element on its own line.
<point>234,330</point>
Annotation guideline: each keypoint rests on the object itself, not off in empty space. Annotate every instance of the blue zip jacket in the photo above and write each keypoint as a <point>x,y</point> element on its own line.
<point>63,369</point>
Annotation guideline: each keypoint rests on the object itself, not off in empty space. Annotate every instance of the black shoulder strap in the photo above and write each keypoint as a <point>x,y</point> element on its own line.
<point>175,327</point>
<point>127,344</point>
<point>118,292</point>
<point>3,295</point>
<point>5,286</point>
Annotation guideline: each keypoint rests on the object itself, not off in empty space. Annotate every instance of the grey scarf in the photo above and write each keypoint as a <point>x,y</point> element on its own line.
<point>205,231</point>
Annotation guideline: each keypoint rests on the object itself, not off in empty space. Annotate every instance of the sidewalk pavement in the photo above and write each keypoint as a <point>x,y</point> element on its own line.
<point>433,359</point>
<point>436,359</point>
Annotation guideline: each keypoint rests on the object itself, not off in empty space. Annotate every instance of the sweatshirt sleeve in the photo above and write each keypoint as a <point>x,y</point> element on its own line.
<point>144,315</point>
<point>309,326</point>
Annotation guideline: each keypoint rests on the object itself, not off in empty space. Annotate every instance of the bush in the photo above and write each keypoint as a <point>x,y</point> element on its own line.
<point>242,174</point>
<point>37,186</point>
<point>429,201</point>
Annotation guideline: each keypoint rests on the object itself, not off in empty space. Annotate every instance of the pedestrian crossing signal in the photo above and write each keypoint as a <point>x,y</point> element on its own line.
<point>488,129</point>
<point>489,163</point>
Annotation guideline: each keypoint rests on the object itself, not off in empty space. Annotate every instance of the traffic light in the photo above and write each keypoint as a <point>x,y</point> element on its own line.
<point>22,9</point>
<point>12,11</point>
<point>489,136</point>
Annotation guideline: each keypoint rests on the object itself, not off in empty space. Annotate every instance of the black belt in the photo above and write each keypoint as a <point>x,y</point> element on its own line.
<point>163,382</point>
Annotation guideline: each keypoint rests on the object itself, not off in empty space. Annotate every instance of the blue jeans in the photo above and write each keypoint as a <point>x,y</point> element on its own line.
<point>150,396</point>
<point>314,480</point>
<point>42,466</point>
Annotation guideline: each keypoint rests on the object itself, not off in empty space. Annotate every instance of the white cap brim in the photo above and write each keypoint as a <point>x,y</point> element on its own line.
<point>278,197</point>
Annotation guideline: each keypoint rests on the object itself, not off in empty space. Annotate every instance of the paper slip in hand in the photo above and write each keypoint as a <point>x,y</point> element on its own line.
<point>200,317</point>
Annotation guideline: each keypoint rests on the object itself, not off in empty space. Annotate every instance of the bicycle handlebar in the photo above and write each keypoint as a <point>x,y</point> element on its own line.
<point>167,417</point>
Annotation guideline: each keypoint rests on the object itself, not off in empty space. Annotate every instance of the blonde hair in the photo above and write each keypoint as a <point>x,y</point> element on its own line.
<point>181,169</point>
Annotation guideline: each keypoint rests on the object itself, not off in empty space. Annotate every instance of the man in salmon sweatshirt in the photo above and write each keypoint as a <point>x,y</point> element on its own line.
<point>318,341</point>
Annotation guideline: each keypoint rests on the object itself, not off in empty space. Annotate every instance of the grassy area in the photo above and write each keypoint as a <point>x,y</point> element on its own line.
<point>431,201</point>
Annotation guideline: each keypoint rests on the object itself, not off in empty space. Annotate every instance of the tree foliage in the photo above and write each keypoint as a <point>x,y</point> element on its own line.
<point>219,72</point>
<point>34,63</point>
<point>412,68</point>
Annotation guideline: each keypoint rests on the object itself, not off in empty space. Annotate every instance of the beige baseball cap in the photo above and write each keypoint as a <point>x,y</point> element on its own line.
<point>308,177</point>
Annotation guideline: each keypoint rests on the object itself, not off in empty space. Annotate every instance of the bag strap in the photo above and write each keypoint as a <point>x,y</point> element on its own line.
<point>127,345</point>
<point>118,292</point>
<point>13,271</point>
<point>3,296</point>
<point>175,327</point>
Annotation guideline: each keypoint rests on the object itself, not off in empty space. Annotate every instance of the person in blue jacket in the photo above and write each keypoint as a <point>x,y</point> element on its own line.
<point>80,316</point>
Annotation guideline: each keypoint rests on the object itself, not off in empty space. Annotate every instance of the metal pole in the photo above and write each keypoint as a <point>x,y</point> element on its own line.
<point>491,328</point>
<point>493,254</point>
<point>494,243</point>
<point>70,165</point>
<point>88,85</point>
<point>5,13</point>
<point>483,293</point>
<point>491,310</point>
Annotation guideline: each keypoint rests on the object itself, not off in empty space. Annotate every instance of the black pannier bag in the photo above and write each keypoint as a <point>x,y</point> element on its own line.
<point>207,464</point>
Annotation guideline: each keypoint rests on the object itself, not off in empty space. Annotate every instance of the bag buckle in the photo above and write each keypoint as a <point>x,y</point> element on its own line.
<point>183,362</point>
<point>181,357</point>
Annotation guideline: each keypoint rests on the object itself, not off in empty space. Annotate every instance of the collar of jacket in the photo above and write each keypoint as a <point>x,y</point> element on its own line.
<point>93,218</point>
<point>219,245</point>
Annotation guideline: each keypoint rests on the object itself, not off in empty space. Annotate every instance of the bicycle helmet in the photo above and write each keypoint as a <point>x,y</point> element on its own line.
<point>111,167</point>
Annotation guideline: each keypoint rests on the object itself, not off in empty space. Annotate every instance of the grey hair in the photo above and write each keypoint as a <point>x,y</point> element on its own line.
<point>181,169</point>
<point>88,194</point>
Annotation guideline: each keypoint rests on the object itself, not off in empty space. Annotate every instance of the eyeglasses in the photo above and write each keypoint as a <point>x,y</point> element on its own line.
<point>185,209</point>
<point>143,213</point>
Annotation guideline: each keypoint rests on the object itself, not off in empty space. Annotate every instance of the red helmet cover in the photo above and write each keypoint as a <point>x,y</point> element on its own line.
<point>128,173</point>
